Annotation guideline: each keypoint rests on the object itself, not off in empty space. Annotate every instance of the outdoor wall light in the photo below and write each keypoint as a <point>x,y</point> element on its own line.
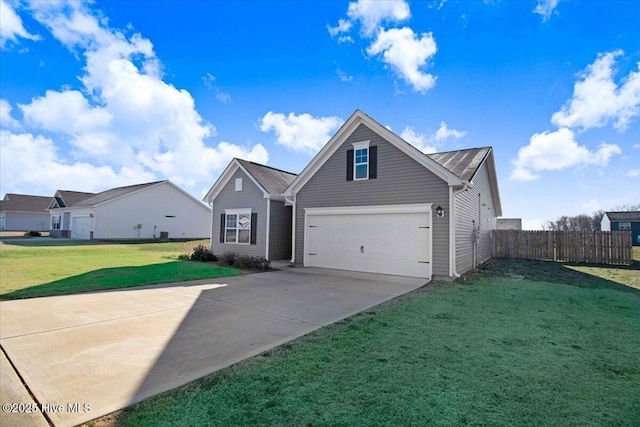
<point>439,211</point>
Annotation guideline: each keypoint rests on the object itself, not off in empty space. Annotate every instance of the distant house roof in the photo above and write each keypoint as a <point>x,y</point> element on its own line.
<point>275,181</point>
<point>112,194</point>
<point>630,216</point>
<point>66,198</point>
<point>462,163</point>
<point>24,203</point>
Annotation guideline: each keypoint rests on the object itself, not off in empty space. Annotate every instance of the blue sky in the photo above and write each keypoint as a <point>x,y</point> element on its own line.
<point>101,94</point>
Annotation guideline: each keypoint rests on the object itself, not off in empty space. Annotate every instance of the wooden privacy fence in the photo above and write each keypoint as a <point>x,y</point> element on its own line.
<point>602,247</point>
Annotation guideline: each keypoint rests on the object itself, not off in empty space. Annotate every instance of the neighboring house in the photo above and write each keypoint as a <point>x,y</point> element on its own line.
<point>622,221</point>
<point>248,213</point>
<point>369,201</point>
<point>22,212</point>
<point>509,224</point>
<point>144,211</point>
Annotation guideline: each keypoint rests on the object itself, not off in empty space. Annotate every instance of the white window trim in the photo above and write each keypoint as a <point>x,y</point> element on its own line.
<point>627,226</point>
<point>236,212</point>
<point>360,146</point>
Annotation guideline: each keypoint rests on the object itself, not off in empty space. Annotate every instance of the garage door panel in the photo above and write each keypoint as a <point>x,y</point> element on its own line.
<point>80,227</point>
<point>390,243</point>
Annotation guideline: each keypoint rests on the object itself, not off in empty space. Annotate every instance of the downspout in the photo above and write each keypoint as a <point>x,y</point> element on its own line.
<point>452,229</point>
<point>293,231</point>
<point>266,252</point>
<point>211,230</point>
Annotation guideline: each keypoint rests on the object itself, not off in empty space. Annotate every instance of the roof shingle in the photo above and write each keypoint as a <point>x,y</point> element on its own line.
<point>462,163</point>
<point>273,180</point>
<point>24,203</point>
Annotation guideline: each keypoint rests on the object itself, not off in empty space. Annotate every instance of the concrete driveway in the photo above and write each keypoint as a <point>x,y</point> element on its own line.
<point>83,356</point>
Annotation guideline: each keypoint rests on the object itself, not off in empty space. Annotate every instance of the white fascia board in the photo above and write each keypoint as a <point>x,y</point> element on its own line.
<point>226,176</point>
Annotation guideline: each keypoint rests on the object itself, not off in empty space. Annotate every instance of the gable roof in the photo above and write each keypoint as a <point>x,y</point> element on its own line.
<point>630,216</point>
<point>271,181</point>
<point>113,193</point>
<point>463,163</point>
<point>66,198</point>
<point>76,199</point>
<point>24,203</point>
<point>456,168</point>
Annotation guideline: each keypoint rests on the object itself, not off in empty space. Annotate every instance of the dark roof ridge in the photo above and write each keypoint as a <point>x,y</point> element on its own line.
<point>266,166</point>
<point>464,149</point>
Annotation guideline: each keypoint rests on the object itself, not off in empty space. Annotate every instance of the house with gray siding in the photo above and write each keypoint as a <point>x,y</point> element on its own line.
<point>248,211</point>
<point>23,212</point>
<point>369,201</point>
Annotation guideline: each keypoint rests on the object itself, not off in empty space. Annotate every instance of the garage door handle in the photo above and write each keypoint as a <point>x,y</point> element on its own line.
<point>424,262</point>
<point>312,254</point>
<point>423,227</point>
<point>313,226</point>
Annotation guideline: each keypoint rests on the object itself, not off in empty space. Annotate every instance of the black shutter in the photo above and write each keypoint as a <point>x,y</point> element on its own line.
<point>254,227</point>
<point>349,165</point>
<point>222,220</point>
<point>373,162</point>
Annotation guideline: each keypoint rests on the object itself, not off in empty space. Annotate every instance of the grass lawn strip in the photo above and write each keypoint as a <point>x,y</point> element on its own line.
<point>31,268</point>
<point>500,349</point>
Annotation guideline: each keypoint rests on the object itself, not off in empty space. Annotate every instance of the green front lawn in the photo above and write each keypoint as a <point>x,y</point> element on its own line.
<point>521,343</point>
<point>30,268</point>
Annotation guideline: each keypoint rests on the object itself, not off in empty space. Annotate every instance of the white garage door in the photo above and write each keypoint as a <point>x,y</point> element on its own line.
<point>388,240</point>
<point>80,227</point>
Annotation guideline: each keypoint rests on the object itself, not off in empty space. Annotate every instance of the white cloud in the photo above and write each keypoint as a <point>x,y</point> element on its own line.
<point>344,76</point>
<point>406,54</point>
<point>300,132</point>
<point>33,161</point>
<point>404,51</point>
<point>597,99</point>
<point>444,133</point>
<point>418,140</point>
<point>546,8</point>
<point>633,173</point>
<point>428,143</point>
<point>11,26</point>
<point>342,27</point>
<point>555,151</point>
<point>372,13</point>
<point>6,121</point>
<point>67,112</point>
<point>125,118</point>
<point>210,83</point>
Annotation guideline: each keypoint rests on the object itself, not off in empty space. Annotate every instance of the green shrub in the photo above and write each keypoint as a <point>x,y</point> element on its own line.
<point>32,234</point>
<point>184,257</point>
<point>245,262</point>
<point>228,258</point>
<point>202,253</point>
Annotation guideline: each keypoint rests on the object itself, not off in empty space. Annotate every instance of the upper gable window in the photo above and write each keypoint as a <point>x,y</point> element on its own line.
<point>361,160</point>
<point>238,184</point>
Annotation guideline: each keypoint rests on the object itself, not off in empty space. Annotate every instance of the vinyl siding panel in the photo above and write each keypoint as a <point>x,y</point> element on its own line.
<point>250,197</point>
<point>474,208</point>
<point>400,180</point>
<point>26,221</point>
<point>280,231</point>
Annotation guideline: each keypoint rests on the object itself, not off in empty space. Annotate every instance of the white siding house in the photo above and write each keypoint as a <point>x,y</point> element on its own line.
<point>146,211</point>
